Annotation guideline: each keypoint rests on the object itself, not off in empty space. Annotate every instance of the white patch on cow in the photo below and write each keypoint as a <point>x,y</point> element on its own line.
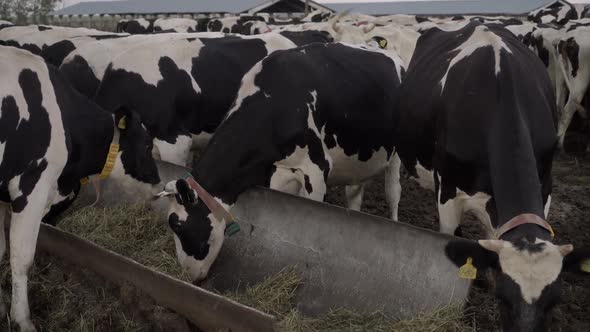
<point>129,185</point>
<point>451,212</point>
<point>143,22</point>
<point>481,37</point>
<point>300,160</point>
<point>247,88</point>
<point>425,177</point>
<point>531,271</point>
<point>146,63</point>
<point>200,141</point>
<point>176,153</point>
<point>350,170</point>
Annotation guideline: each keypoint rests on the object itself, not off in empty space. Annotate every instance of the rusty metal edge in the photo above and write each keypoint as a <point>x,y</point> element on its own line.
<point>209,311</point>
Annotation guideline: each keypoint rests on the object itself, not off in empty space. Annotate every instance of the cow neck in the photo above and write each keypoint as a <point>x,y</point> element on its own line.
<point>94,149</point>
<point>513,171</point>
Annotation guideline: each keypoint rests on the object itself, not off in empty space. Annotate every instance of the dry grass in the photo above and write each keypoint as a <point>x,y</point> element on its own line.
<point>275,295</point>
<point>67,299</point>
<point>133,231</point>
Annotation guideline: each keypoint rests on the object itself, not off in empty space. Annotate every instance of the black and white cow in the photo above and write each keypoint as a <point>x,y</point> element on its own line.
<point>303,118</point>
<point>245,25</point>
<point>559,12</point>
<point>135,26</point>
<point>477,108</point>
<point>184,90</point>
<point>85,66</point>
<point>50,138</point>
<point>573,58</point>
<point>35,38</point>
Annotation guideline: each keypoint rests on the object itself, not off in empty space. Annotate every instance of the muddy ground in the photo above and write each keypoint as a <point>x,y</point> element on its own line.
<point>569,216</point>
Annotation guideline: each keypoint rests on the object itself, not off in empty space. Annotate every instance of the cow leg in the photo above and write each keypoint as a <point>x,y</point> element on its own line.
<point>449,214</point>
<point>354,196</point>
<point>3,215</point>
<point>393,188</point>
<point>177,153</point>
<point>573,104</point>
<point>24,228</point>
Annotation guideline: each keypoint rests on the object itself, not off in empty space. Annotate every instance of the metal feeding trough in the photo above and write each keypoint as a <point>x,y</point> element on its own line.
<point>347,259</point>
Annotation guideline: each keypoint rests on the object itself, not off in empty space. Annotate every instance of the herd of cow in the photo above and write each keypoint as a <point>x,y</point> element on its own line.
<point>475,109</point>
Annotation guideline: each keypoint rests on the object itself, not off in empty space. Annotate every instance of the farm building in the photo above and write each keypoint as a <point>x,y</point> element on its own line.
<point>101,13</point>
<point>441,8</point>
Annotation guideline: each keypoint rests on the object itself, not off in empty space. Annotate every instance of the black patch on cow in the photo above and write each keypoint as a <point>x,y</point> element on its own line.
<point>81,76</point>
<point>44,27</point>
<point>571,49</point>
<point>301,38</point>
<point>214,25</point>
<point>529,245</point>
<point>56,53</point>
<point>29,47</point>
<point>421,19</point>
<point>308,186</point>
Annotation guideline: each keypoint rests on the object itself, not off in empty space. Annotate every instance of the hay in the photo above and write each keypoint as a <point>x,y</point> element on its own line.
<point>275,295</point>
<point>64,298</point>
<point>132,231</point>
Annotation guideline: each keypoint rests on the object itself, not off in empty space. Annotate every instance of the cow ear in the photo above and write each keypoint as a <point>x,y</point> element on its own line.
<point>186,195</point>
<point>462,252</point>
<point>578,261</point>
<point>124,117</point>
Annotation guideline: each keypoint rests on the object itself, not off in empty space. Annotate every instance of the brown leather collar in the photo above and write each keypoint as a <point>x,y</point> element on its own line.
<point>218,210</point>
<point>521,219</point>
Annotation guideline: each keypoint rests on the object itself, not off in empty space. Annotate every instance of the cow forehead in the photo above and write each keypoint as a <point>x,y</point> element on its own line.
<point>532,271</point>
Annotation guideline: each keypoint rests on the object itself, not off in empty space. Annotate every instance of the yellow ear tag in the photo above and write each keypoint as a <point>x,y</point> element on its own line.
<point>122,123</point>
<point>468,271</point>
<point>585,266</point>
<point>383,43</point>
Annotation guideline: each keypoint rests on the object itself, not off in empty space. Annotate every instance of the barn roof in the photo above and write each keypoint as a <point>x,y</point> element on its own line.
<point>177,6</point>
<point>444,7</point>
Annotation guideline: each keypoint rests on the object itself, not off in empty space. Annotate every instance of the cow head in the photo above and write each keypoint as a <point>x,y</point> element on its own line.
<point>526,275</point>
<point>198,234</point>
<point>134,161</point>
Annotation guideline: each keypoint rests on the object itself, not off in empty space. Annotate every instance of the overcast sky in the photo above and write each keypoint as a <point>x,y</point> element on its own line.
<point>71,2</point>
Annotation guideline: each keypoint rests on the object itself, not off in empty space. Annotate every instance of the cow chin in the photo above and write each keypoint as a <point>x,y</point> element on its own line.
<point>140,190</point>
